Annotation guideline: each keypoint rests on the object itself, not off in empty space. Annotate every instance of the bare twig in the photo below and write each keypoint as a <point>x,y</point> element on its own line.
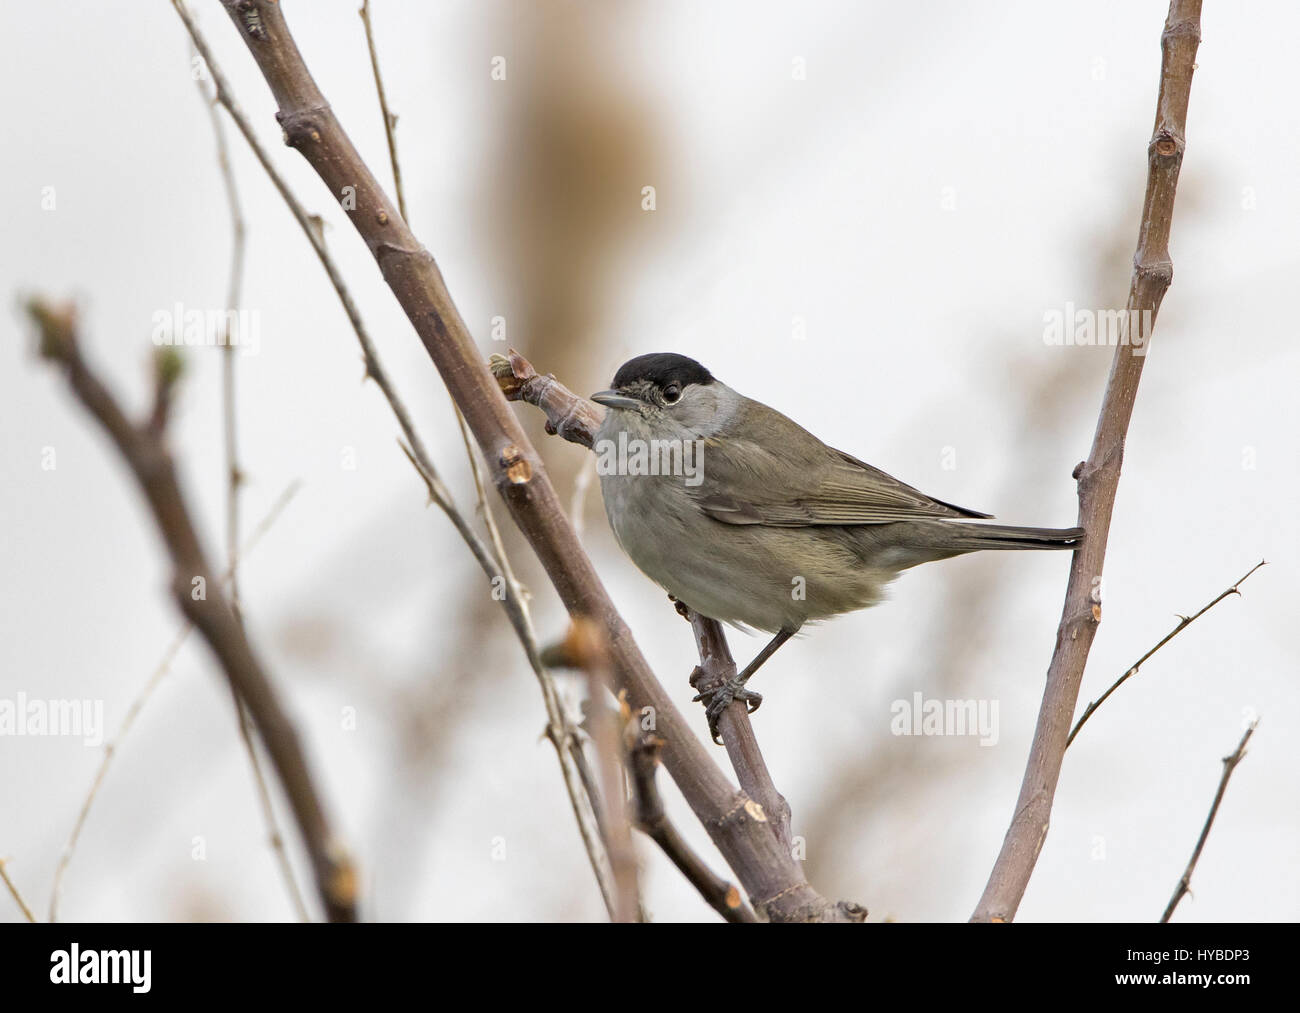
<point>197,592</point>
<point>1098,477</point>
<point>234,481</point>
<point>1229,765</point>
<point>137,705</point>
<point>390,118</point>
<point>653,821</point>
<point>476,470</point>
<point>13,892</point>
<point>496,565</point>
<point>766,870</point>
<point>1183,623</point>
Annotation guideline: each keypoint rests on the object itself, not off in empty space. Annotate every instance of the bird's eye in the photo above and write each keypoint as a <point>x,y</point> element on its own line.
<point>672,393</point>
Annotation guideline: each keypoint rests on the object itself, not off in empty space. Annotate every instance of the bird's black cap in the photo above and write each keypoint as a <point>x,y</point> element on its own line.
<point>661,369</point>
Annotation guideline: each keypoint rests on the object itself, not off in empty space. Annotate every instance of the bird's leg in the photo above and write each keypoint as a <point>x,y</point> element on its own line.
<point>718,700</point>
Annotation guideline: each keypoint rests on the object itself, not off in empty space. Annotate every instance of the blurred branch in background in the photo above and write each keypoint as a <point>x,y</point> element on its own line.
<point>1098,477</point>
<point>197,589</point>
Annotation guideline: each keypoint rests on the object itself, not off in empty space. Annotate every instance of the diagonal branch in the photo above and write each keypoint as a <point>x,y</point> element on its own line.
<point>196,587</point>
<point>1098,477</point>
<point>1184,886</point>
<point>768,872</point>
<point>1183,623</point>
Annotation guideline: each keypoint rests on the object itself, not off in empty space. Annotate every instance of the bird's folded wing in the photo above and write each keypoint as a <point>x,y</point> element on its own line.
<point>806,484</point>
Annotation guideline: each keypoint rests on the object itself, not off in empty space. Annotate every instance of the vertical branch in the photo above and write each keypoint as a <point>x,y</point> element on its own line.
<point>1098,477</point>
<point>235,479</point>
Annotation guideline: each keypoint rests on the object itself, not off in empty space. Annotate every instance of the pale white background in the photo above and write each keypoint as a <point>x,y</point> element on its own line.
<point>944,176</point>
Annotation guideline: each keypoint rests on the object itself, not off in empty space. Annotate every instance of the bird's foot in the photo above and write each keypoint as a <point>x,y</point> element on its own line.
<point>719,698</point>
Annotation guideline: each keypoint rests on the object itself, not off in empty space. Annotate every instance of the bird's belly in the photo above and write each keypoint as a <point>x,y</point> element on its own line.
<point>752,575</point>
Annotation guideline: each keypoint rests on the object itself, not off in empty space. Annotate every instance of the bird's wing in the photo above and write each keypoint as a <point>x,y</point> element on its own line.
<point>799,481</point>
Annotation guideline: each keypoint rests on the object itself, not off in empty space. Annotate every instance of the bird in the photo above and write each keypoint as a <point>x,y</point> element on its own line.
<point>745,517</point>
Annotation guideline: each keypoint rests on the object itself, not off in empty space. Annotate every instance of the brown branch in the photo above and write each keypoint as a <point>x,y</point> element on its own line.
<point>197,591</point>
<point>1098,477</point>
<point>768,872</point>
<point>1183,623</point>
<point>1229,765</point>
<point>652,820</point>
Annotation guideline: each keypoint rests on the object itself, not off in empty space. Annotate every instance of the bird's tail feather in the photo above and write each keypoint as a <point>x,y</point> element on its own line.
<point>974,537</point>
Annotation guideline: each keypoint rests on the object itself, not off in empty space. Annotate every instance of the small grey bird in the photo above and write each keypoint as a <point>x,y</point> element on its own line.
<point>749,519</point>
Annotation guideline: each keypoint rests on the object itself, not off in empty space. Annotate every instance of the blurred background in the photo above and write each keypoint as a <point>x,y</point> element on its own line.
<point>863,214</point>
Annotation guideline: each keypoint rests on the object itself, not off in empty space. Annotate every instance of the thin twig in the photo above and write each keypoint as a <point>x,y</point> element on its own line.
<point>390,119</point>
<point>235,480</point>
<point>559,729</point>
<point>13,891</point>
<point>1098,476</point>
<point>1229,765</point>
<point>1183,623</point>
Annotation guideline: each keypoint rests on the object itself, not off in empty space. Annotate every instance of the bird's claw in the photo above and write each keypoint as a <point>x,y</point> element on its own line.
<point>718,700</point>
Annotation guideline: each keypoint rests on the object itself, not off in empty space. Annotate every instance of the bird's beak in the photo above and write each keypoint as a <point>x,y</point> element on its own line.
<point>613,399</point>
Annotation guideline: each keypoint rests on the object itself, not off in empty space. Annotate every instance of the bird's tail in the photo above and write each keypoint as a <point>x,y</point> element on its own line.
<point>965,537</point>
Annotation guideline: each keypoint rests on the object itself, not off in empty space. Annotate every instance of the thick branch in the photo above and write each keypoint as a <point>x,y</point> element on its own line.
<point>1099,476</point>
<point>196,587</point>
<point>766,869</point>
